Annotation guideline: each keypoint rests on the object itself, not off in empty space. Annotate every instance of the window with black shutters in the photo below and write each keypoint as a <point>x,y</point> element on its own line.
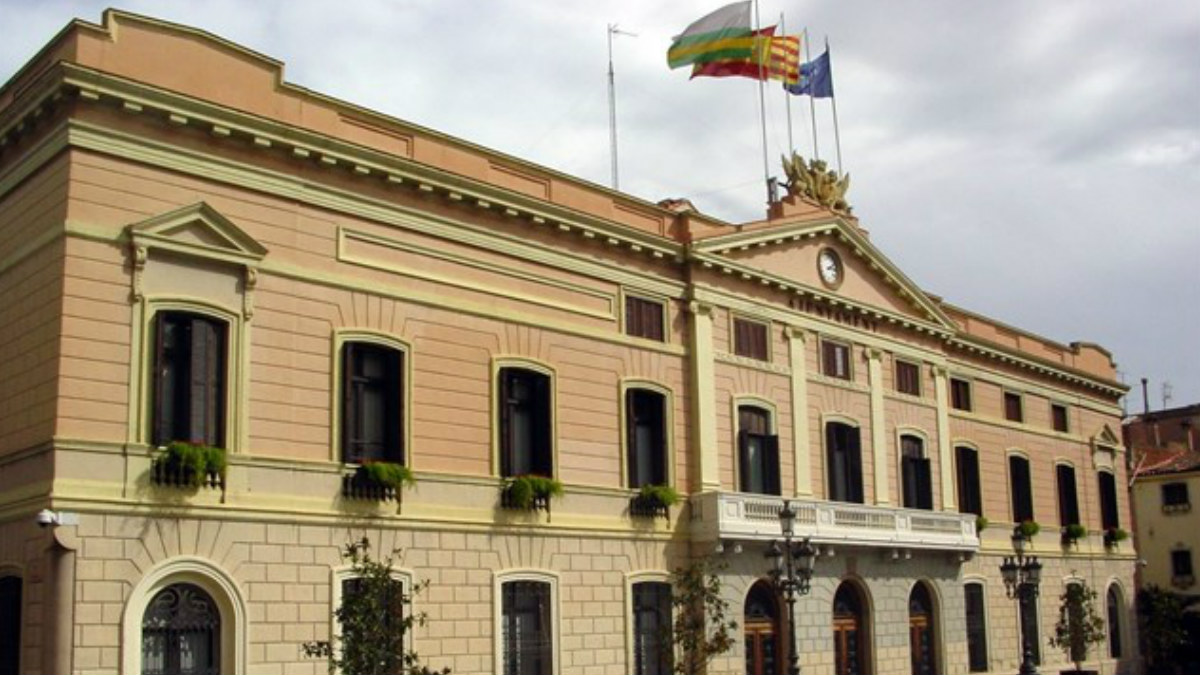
<point>843,459</point>
<point>372,406</point>
<point>750,339</point>
<point>1175,497</point>
<point>1058,416</point>
<point>1181,564</point>
<point>189,379</point>
<point>960,394</point>
<point>1012,407</point>
<point>652,628</point>
<point>758,452</point>
<point>1113,604</point>
<point>970,498</point>
<point>977,648</point>
<point>527,642</point>
<point>1021,489</point>
<point>916,484</point>
<point>644,318</point>
<point>525,423</point>
<point>646,439</point>
<point>10,625</point>
<point>1068,498</point>
<point>835,360</point>
<point>908,378</point>
<point>1108,501</point>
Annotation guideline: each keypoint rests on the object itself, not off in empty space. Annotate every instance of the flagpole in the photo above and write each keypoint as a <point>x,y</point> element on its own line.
<point>787,98</point>
<point>812,106</point>
<point>837,136</point>
<point>762,101</point>
<point>612,110</point>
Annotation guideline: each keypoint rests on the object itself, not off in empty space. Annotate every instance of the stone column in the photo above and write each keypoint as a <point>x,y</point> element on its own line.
<point>801,440</point>
<point>704,396</point>
<point>941,388</point>
<point>882,458</point>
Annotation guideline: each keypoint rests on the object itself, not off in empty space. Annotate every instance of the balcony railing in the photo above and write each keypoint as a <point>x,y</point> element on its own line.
<point>730,515</point>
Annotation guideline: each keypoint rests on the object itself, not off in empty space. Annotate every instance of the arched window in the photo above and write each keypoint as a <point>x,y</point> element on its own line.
<point>851,639</point>
<point>652,628</point>
<point>758,451</point>
<point>977,647</point>
<point>10,625</point>
<point>922,635</point>
<point>843,459</point>
<point>916,483</point>
<point>1115,605</point>
<point>181,633</point>
<point>766,651</point>
<point>527,636</point>
<point>970,497</point>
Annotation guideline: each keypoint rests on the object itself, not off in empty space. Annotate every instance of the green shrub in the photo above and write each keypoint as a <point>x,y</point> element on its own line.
<point>1074,532</point>
<point>660,495</point>
<point>1029,529</point>
<point>981,524</point>
<point>1115,534</point>
<point>191,463</point>
<point>389,474</point>
<point>523,490</point>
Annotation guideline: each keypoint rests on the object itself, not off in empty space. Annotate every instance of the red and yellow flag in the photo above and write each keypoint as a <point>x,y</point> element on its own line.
<point>774,58</point>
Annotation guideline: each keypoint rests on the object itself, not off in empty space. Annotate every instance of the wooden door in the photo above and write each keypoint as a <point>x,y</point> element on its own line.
<point>762,648</point>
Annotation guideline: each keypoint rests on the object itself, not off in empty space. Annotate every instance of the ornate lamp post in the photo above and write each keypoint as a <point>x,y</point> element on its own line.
<point>791,571</point>
<point>1022,576</point>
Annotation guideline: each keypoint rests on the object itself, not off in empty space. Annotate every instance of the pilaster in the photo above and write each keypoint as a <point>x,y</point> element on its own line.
<point>801,440</point>
<point>879,439</point>
<point>941,389</point>
<point>704,395</point>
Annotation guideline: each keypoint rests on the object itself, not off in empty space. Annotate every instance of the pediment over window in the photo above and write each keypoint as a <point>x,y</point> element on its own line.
<point>198,230</point>
<point>1105,447</point>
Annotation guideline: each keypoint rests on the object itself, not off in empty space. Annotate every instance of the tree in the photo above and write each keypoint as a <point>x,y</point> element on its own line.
<point>701,630</point>
<point>372,620</point>
<point>1164,638</point>
<point>1079,626</point>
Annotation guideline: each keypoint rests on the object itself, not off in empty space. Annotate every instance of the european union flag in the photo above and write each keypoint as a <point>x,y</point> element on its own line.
<point>816,78</point>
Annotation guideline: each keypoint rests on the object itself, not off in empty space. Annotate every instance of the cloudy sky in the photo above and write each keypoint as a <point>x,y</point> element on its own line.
<point>1035,162</point>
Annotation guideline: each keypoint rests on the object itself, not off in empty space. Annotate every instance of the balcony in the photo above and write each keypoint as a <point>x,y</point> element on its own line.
<point>737,516</point>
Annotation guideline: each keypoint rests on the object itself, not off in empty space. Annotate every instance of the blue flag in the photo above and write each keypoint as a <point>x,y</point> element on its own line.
<point>816,78</point>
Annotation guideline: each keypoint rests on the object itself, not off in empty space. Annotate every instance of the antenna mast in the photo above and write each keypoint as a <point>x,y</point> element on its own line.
<point>612,103</point>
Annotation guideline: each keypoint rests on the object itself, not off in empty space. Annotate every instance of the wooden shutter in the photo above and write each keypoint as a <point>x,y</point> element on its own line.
<point>1012,407</point>
<point>1068,504</point>
<point>504,405</point>
<point>770,445</point>
<point>1022,494</point>
<point>1108,501</point>
<point>543,424</point>
<point>658,457</point>
<point>744,469</point>
<point>855,466</point>
<point>163,408</point>
<point>206,393</point>
<point>967,461</point>
<point>394,386</point>
<point>924,483</point>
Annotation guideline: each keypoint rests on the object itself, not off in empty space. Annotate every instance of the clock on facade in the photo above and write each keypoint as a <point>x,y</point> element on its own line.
<point>829,266</point>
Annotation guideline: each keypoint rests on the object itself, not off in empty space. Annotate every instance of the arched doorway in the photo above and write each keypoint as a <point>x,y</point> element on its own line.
<point>765,648</point>
<point>850,634</point>
<point>922,643</point>
<point>181,633</point>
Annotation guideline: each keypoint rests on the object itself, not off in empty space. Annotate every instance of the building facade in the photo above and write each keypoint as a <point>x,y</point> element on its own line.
<point>193,249</point>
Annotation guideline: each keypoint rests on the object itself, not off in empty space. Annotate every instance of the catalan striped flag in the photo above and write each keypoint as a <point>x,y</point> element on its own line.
<point>774,58</point>
<point>721,35</point>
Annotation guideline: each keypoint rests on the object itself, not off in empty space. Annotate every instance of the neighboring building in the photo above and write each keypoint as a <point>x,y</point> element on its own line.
<point>1166,480</point>
<point>192,248</point>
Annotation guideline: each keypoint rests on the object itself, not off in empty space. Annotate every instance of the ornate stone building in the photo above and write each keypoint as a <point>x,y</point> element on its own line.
<point>194,249</point>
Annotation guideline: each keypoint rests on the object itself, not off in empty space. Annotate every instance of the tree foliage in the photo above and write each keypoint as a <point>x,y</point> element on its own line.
<point>702,630</point>
<point>1079,626</point>
<point>1161,617</point>
<point>373,621</point>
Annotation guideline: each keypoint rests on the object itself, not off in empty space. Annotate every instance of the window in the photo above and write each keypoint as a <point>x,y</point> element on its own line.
<point>908,378</point>
<point>372,413</point>
<point>1058,417</point>
<point>527,641</point>
<point>644,318</point>
<point>10,625</point>
<point>1175,498</point>
<point>970,498</point>
<point>1068,498</point>
<point>750,339</point>
<point>181,632</point>
<point>1029,627</point>
<point>915,474</point>
<point>381,601</point>
<point>1181,568</point>
<point>1109,519</point>
<point>189,379</point>
<point>844,463</point>
<point>960,394</point>
<point>646,440</point>
<point>1113,604</point>
<point>1022,490</point>
<point>835,360</point>
<point>758,452</point>
<point>652,628</point>
<point>976,628</point>
<point>1012,407</point>
<point>525,423</point>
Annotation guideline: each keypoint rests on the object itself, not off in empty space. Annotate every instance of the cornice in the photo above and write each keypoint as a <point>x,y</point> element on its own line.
<point>980,347</point>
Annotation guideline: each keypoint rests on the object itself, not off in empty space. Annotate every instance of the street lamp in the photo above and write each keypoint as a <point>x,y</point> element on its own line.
<point>791,571</point>
<point>1022,576</point>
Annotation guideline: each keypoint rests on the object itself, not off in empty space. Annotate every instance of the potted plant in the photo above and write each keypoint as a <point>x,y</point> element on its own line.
<point>1078,625</point>
<point>1072,533</point>
<point>654,500</point>
<point>529,492</point>
<point>380,481</point>
<point>981,523</point>
<point>189,465</point>
<point>1028,529</point>
<point>1114,535</point>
